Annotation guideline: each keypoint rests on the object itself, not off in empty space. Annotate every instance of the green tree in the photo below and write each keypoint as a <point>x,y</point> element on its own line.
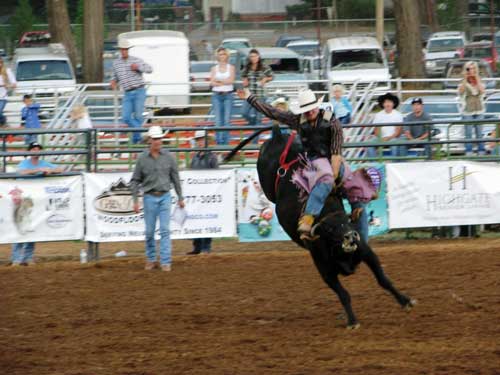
<point>22,20</point>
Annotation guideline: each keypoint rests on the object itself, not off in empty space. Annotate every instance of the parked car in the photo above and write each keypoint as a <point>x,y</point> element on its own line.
<point>483,51</point>
<point>305,47</point>
<point>441,48</point>
<point>45,70</point>
<point>236,43</point>
<point>492,104</point>
<point>199,75</point>
<point>284,39</point>
<point>442,108</point>
<point>454,70</point>
<point>312,70</point>
<point>286,66</point>
<point>359,59</point>
<point>481,37</point>
<point>481,9</point>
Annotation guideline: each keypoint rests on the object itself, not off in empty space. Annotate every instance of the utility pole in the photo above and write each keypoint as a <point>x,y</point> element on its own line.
<point>492,26</point>
<point>138,12</point>
<point>132,15</point>
<point>379,12</point>
<point>318,25</point>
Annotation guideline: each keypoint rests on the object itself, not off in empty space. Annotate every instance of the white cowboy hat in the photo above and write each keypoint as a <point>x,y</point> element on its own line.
<point>156,132</point>
<point>124,43</point>
<point>199,134</point>
<point>306,102</point>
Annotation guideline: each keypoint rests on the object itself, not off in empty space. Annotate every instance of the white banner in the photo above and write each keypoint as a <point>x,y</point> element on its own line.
<point>443,193</point>
<point>210,205</point>
<point>41,209</point>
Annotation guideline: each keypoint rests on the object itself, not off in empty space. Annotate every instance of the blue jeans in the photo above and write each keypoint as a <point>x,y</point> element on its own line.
<point>202,245</point>
<point>29,138</point>
<point>372,152</point>
<point>22,252</point>
<point>345,120</point>
<point>222,105</point>
<point>252,116</point>
<point>3,103</point>
<point>317,198</point>
<point>477,129</point>
<point>361,225</point>
<point>403,150</point>
<point>154,208</point>
<point>132,108</point>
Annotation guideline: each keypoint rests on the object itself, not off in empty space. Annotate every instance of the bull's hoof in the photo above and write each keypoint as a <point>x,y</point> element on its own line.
<point>409,306</point>
<point>352,327</point>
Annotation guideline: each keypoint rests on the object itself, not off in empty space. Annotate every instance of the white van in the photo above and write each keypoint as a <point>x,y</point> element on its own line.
<point>44,71</point>
<point>168,54</point>
<point>358,59</point>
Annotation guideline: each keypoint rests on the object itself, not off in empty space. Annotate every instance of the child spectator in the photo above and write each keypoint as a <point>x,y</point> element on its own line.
<point>29,115</point>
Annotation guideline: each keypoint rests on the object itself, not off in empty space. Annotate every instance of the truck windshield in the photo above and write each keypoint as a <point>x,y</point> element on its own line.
<point>357,59</point>
<point>441,45</point>
<point>291,65</point>
<point>43,70</point>
<point>305,49</point>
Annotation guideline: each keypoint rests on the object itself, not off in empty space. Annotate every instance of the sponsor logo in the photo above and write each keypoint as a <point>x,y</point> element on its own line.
<point>57,189</point>
<point>116,200</point>
<point>459,178</point>
<point>57,221</point>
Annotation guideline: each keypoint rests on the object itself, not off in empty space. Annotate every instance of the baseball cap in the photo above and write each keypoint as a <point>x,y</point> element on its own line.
<point>34,145</point>
<point>417,100</point>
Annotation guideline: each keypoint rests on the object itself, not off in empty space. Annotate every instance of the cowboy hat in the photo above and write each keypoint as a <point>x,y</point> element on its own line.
<point>199,134</point>
<point>124,43</point>
<point>155,132</point>
<point>306,102</point>
<point>388,96</point>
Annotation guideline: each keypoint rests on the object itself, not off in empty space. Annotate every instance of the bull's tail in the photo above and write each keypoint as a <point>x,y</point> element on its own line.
<point>244,142</point>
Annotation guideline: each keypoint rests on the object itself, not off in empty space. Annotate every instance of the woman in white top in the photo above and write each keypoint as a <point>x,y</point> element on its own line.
<point>7,81</point>
<point>221,80</point>
<point>472,91</point>
<point>389,114</point>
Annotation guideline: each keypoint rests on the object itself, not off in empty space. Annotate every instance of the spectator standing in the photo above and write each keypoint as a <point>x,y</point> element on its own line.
<point>388,115</point>
<point>209,49</point>
<point>155,171</point>
<point>471,91</point>
<point>80,119</point>
<point>22,253</point>
<point>255,75</point>
<point>221,80</point>
<point>7,81</point>
<point>341,107</point>
<point>416,132</point>
<point>30,116</point>
<point>202,160</point>
<point>127,72</point>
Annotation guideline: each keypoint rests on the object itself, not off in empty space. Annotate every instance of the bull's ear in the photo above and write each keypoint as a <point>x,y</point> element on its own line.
<point>276,131</point>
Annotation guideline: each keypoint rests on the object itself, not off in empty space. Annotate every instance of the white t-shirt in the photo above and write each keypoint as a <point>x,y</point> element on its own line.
<point>12,80</point>
<point>383,117</point>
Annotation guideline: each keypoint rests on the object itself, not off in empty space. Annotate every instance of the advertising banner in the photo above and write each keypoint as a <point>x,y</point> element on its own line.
<point>443,193</point>
<point>41,209</point>
<point>257,219</point>
<point>209,212</point>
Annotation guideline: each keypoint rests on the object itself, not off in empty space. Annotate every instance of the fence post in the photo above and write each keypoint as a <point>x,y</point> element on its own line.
<point>4,149</point>
<point>399,88</point>
<point>95,148</point>
<point>88,143</point>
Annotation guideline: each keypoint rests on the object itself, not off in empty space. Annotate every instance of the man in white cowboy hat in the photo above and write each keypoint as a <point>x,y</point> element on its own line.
<point>127,72</point>
<point>203,159</point>
<point>155,171</point>
<point>321,136</point>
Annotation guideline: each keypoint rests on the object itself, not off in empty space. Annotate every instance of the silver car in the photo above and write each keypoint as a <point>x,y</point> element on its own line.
<point>200,75</point>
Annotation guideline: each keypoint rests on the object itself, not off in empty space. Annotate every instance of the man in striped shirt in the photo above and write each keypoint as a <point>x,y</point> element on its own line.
<point>321,136</point>
<point>127,72</point>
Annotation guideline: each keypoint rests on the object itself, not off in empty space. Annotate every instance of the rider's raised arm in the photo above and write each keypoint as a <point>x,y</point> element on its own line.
<point>336,146</point>
<point>284,117</point>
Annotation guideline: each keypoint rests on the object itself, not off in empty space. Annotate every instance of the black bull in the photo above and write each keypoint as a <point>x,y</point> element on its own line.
<point>338,250</point>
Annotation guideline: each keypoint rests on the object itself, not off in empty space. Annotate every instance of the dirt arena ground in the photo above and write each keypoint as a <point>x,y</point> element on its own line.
<point>243,310</point>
